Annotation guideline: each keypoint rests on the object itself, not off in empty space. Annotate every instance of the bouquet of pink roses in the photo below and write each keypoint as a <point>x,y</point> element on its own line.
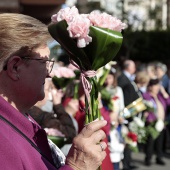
<point>91,40</point>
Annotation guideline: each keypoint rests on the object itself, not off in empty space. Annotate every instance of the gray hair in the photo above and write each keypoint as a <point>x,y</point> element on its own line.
<point>162,66</point>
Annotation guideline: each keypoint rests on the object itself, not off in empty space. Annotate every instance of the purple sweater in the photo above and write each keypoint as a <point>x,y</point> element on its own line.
<point>16,153</point>
<point>165,102</point>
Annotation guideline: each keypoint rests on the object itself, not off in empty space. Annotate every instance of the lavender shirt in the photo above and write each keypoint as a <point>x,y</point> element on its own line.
<point>165,102</point>
<point>16,153</point>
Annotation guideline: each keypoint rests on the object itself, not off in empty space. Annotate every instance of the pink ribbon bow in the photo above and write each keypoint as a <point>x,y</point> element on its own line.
<point>86,85</point>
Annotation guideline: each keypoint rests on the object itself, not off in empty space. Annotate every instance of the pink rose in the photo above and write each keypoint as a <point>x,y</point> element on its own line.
<point>79,24</point>
<point>63,72</point>
<point>54,132</point>
<point>72,67</point>
<point>105,20</point>
<point>79,28</point>
<point>65,14</point>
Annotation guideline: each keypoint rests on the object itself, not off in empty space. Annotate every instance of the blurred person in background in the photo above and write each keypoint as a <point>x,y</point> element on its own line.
<point>126,82</point>
<point>161,73</point>
<point>130,93</point>
<point>51,115</point>
<point>160,100</point>
<point>115,91</point>
<point>151,71</point>
<point>116,144</point>
<point>142,80</point>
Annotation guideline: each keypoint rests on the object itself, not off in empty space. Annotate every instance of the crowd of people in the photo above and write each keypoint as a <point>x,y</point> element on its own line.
<point>33,107</point>
<point>125,84</point>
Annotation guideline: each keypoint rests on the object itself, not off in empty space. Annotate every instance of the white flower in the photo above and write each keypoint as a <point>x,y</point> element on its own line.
<point>108,66</point>
<point>159,125</point>
<point>133,126</point>
<point>138,121</point>
<point>134,144</point>
<point>124,130</point>
<point>100,73</point>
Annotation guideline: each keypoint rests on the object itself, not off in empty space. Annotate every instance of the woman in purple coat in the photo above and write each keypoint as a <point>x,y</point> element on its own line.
<point>24,66</point>
<point>160,100</point>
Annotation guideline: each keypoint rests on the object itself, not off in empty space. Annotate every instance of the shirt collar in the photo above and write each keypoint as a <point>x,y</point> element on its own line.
<point>18,119</point>
<point>131,77</point>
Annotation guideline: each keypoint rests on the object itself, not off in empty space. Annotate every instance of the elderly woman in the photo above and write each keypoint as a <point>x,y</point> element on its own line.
<point>160,100</point>
<point>24,66</point>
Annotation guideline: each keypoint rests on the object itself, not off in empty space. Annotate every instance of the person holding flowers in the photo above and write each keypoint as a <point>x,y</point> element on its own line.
<point>160,100</point>
<point>24,66</point>
<point>91,40</point>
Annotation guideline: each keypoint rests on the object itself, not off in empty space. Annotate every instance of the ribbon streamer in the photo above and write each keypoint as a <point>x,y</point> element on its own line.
<point>86,85</point>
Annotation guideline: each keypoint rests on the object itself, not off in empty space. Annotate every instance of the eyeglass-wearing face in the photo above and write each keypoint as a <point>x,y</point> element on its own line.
<point>49,63</point>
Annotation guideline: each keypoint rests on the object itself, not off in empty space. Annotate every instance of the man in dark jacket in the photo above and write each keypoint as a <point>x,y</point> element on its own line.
<point>126,82</point>
<point>130,92</point>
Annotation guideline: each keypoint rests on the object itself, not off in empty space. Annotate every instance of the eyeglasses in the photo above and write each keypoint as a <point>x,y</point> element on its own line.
<point>49,63</point>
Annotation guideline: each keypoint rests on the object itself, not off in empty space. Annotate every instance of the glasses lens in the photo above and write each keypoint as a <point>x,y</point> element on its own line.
<point>50,65</point>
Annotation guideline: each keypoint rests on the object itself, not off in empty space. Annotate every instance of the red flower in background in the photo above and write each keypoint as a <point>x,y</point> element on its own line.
<point>115,97</point>
<point>132,136</point>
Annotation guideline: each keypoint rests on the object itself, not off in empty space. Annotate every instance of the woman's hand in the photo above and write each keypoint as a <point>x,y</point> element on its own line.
<point>164,93</point>
<point>57,95</point>
<point>87,152</point>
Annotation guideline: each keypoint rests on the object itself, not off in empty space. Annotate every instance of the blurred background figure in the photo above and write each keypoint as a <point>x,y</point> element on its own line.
<point>130,92</point>
<point>142,80</point>
<point>52,116</point>
<point>116,93</point>
<point>160,100</point>
<point>151,71</point>
<point>161,73</point>
<point>116,145</point>
<point>126,82</point>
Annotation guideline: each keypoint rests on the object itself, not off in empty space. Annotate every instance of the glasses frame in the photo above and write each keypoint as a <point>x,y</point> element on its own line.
<point>38,59</point>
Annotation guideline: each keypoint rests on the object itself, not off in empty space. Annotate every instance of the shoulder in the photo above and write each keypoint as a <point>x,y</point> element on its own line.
<point>122,78</point>
<point>9,157</point>
<point>146,95</point>
<point>119,89</point>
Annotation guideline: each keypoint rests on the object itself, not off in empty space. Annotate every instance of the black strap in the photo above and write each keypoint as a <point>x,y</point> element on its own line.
<point>25,137</point>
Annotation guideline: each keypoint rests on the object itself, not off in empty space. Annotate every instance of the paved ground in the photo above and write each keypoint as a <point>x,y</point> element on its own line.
<point>139,157</point>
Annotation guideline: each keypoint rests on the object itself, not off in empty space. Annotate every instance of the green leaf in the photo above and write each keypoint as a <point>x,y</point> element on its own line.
<point>61,82</point>
<point>58,140</point>
<point>104,46</point>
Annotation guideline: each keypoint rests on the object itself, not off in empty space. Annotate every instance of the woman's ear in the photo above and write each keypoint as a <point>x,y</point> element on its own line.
<point>13,67</point>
